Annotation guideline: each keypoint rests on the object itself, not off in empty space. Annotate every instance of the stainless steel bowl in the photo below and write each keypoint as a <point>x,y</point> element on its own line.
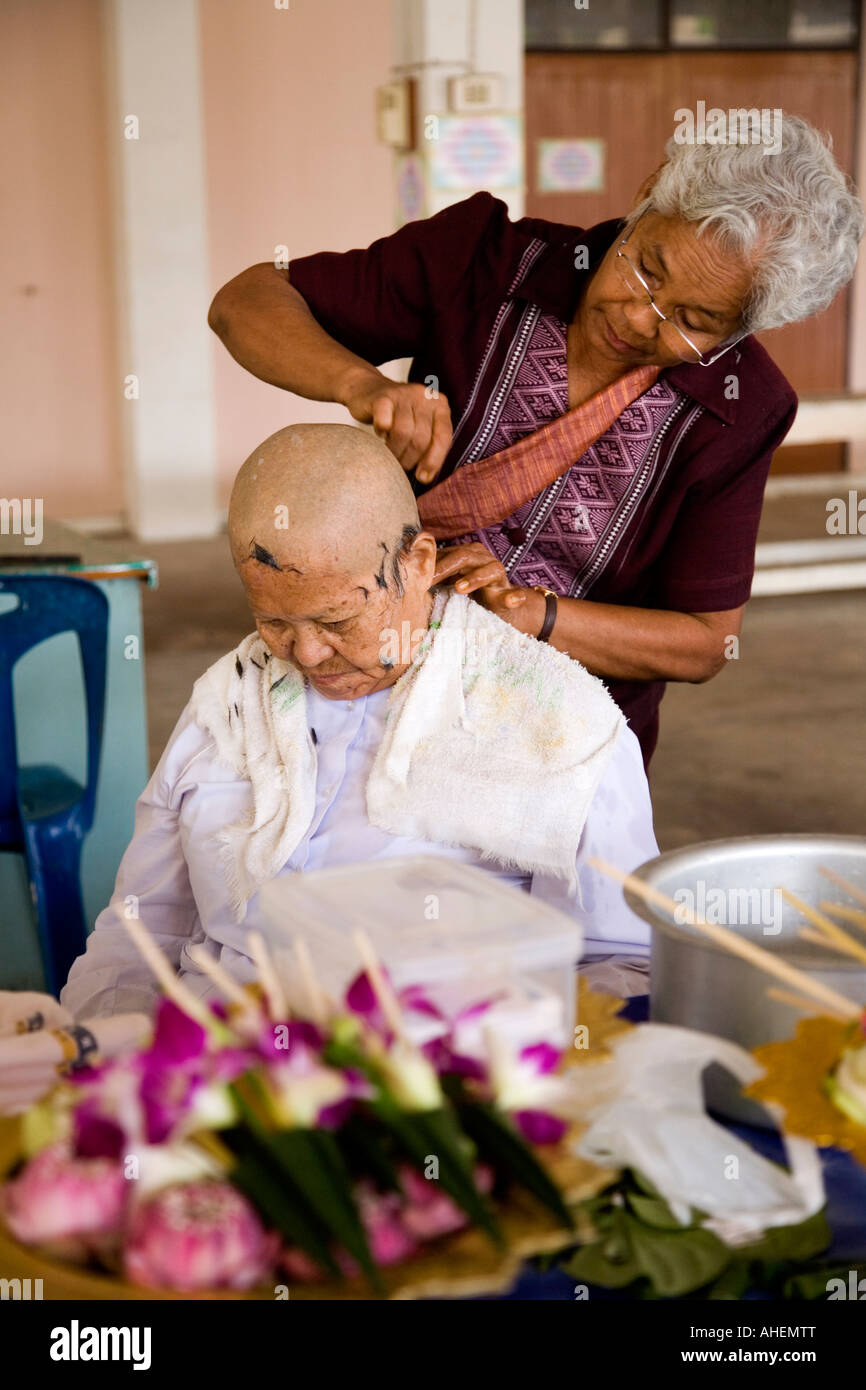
<point>697,984</point>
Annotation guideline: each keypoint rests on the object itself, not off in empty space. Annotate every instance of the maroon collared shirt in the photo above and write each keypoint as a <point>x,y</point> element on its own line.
<point>459,293</point>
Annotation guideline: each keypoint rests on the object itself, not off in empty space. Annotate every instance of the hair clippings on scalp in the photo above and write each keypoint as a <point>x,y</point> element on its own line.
<point>264,557</point>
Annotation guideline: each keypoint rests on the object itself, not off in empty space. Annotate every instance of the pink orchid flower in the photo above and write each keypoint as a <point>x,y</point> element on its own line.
<point>305,1092</point>
<point>523,1084</point>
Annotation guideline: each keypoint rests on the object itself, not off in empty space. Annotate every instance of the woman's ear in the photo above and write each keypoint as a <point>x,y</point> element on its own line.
<point>420,558</point>
<point>648,185</point>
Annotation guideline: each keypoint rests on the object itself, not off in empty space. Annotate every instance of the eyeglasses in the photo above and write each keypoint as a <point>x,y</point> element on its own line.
<point>641,290</point>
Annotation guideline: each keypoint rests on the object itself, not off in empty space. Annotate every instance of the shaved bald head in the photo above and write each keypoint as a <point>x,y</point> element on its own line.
<point>321,490</point>
<point>325,535</point>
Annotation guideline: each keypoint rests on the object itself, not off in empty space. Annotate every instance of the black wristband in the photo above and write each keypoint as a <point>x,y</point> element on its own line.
<point>551,604</point>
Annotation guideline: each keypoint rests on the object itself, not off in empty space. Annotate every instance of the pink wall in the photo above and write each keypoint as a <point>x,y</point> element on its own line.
<point>292,159</point>
<point>59,386</point>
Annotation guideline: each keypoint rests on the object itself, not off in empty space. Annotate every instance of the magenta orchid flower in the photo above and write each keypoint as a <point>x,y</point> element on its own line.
<point>180,1077</point>
<point>108,1116</point>
<point>361,1000</point>
<point>95,1134</point>
<point>462,1051</point>
<point>277,1040</point>
<point>455,1046</point>
<point>525,1086</point>
<point>305,1092</point>
<point>539,1126</point>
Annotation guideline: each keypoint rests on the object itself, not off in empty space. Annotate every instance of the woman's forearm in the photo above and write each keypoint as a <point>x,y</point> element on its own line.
<point>611,640</point>
<point>644,644</point>
<point>266,325</point>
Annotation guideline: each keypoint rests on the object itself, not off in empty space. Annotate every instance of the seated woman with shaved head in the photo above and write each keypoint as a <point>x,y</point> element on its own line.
<point>370,714</point>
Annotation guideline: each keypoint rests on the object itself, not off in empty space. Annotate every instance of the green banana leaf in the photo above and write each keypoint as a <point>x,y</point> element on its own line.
<point>363,1150</point>
<point>312,1161</point>
<point>781,1244</point>
<point>500,1144</point>
<point>653,1211</point>
<point>422,1134</point>
<point>311,1170</point>
<point>677,1263</point>
<point>278,1205</point>
<point>640,1242</point>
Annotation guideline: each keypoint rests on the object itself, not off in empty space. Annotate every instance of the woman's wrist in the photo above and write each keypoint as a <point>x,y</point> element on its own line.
<point>551,603</point>
<point>357,380</point>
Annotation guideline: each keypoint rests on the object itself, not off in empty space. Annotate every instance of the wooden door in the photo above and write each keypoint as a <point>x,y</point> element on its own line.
<point>628,100</point>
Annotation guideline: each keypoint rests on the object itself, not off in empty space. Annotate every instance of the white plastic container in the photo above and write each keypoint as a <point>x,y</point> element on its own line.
<point>451,927</point>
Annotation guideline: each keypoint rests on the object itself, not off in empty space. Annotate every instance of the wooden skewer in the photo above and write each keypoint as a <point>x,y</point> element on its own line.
<point>224,982</point>
<point>167,976</point>
<point>388,1001</point>
<point>830,929</point>
<point>738,946</point>
<point>858,894</point>
<point>316,998</point>
<point>849,914</point>
<point>799,1001</point>
<point>497,1048</point>
<point>818,938</point>
<point>277,1006</point>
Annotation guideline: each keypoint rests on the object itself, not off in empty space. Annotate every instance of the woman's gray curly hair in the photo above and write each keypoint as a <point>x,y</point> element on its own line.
<point>793,210</point>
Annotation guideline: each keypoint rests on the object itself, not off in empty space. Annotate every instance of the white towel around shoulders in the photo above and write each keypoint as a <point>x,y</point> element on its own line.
<point>493,741</point>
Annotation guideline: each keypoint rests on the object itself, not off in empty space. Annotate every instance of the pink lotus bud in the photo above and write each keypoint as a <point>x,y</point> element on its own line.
<point>302,1268</point>
<point>389,1243</point>
<point>388,1238</point>
<point>57,1197</point>
<point>198,1235</point>
<point>429,1211</point>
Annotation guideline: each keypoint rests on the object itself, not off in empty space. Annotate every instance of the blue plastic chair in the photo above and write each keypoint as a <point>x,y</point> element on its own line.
<point>44,813</point>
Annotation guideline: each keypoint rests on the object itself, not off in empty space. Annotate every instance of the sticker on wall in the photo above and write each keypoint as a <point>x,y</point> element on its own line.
<point>473,152</point>
<point>411,201</point>
<point>570,166</point>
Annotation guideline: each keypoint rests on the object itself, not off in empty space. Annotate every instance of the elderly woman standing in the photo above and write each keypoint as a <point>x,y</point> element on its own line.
<point>588,418</point>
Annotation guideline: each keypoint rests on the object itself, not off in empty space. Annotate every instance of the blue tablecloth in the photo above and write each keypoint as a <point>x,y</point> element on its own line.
<point>845,1182</point>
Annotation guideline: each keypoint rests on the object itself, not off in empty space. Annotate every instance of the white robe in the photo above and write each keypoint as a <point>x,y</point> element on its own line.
<point>173,876</point>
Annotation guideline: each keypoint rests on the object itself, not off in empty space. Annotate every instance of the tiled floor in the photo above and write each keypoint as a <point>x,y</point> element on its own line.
<point>776,743</point>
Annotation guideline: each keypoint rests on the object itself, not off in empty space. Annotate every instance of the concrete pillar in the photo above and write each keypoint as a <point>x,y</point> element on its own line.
<point>163,363</point>
<point>456,154</point>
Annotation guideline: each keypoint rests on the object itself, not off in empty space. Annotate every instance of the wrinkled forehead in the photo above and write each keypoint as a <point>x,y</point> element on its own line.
<point>307,587</point>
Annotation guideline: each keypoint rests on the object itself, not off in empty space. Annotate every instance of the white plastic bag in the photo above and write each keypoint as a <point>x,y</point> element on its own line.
<point>644,1109</point>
